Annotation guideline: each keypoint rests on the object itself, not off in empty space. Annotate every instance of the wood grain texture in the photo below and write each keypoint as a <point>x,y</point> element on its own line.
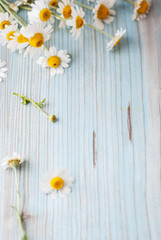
<point>108,135</point>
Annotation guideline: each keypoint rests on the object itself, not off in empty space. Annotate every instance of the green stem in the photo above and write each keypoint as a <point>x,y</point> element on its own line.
<point>27,8</point>
<point>82,5</point>
<point>52,7</point>
<point>1,9</point>
<point>34,103</point>
<point>132,2</point>
<point>56,15</point>
<point>6,2</point>
<point>25,3</point>
<point>19,207</point>
<point>89,25</point>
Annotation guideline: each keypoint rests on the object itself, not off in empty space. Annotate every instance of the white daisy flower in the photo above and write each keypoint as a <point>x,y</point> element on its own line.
<point>116,39</point>
<point>103,13</point>
<point>8,34</point>
<point>6,20</point>
<point>12,161</point>
<point>56,61</point>
<point>141,9</point>
<point>57,181</point>
<point>37,34</point>
<point>3,70</point>
<point>77,21</point>
<point>65,11</point>
<point>53,3</point>
<point>40,13</point>
<point>18,41</point>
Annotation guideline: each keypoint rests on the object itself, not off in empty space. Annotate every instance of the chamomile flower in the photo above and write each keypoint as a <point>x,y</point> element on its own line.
<point>37,34</point>
<point>17,41</point>
<point>56,61</point>
<point>103,13</point>
<point>3,70</point>
<point>141,9</point>
<point>77,22</point>
<point>40,13</point>
<point>53,3</point>
<point>65,11</point>
<point>6,20</point>
<point>116,39</point>
<point>8,34</point>
<point>58,181</point>
<point>13,161</point>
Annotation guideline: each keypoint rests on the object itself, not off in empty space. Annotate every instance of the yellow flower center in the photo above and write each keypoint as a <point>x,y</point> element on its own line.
<point>67,11</point>
<point>54,61</point>
<point>117,41</point>
<point>45,14</point>
<point>53,3</point>
<point>22,39</point>
<point>102,12</point>
<point>37,40</point>
<point>143,6</point>
<point>3,24</point>
<point>57,183</point>
<point>9,35</point>
<point>14,162</point>
<point>79,22</point>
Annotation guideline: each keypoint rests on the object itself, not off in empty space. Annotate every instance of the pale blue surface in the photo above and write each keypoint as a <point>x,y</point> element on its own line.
<point>120,197</point>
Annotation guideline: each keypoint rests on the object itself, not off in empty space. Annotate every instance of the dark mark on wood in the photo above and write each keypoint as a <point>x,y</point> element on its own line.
<point>129,125</point>
<point>94,150</point>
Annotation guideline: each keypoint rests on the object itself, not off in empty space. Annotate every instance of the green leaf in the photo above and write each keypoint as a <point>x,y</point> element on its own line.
<point>24,237</point>
<point>14,208</point>
<point>41,104</point>
<point>25,102</point>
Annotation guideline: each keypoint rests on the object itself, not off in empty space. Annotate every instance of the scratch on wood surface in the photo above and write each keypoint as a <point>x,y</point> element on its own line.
<point>129,125</point>
<point>160,139</point>
<point>94,150</point>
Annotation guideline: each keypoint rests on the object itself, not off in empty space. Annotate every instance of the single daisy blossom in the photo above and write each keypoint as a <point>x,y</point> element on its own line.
<point>3,70</point>
<point>13,161</point>
<point>40,13</point>
<point>116,39</point>
<point>56,61</point>
<point>57,181</point>
<point>37,34</point>
<point>53,3</point>
<point>8,34</point>
<point>65,9</point>
<point>103,13</point>
<point>6,20</point>
<point>17,41</point>
<point>77,21</point>
<point>141,9</point>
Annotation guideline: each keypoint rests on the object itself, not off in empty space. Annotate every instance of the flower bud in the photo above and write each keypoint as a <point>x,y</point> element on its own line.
<point>52,118</point>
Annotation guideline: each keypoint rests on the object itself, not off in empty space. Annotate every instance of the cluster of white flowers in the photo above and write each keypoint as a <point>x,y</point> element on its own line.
<point>30,39</point>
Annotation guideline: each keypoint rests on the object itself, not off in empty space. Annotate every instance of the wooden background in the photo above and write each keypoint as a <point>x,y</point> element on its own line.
<point>108,135</point>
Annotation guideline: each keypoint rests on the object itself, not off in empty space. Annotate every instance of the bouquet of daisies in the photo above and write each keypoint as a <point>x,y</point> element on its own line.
<point>30,39</point>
